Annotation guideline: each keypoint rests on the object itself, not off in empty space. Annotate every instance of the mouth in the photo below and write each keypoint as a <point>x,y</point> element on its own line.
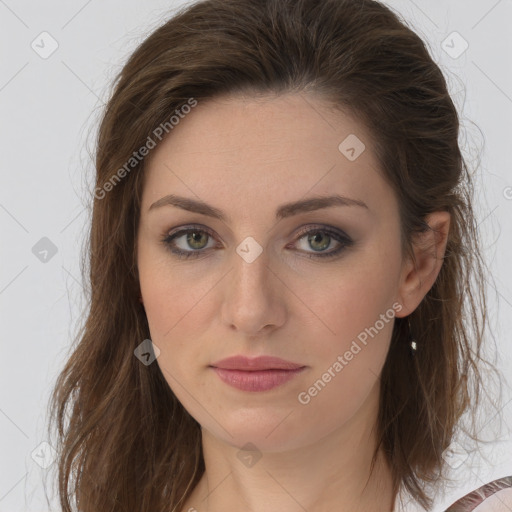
<point>256,380</point>
<point>241,362</point>
<point>261,373</point>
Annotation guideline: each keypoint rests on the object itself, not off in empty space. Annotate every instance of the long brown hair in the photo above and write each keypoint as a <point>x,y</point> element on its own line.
<point>124,441</point>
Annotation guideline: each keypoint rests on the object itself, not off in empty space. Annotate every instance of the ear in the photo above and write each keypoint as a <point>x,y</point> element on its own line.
<point>417,278</point>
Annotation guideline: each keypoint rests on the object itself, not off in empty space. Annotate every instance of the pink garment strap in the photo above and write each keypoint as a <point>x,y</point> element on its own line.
<point>473,499</point>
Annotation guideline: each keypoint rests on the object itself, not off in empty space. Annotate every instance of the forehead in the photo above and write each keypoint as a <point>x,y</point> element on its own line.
<point>241,151</point>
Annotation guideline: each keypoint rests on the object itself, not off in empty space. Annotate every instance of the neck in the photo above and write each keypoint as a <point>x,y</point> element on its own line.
<point>333,473</point>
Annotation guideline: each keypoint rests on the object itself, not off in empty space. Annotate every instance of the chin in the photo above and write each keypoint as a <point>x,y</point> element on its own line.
<point>268,432</point>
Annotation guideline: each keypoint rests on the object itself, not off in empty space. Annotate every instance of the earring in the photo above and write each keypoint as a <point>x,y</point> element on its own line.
<point>412,342</point>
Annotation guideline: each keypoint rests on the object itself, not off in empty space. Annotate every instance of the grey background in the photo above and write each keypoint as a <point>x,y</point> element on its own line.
<point>49,111</point>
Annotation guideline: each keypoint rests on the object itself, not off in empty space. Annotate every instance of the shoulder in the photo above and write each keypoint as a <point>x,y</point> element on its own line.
<point>495,496</point>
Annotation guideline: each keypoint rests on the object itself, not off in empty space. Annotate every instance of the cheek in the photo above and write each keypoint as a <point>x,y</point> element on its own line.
<point>177,305</point>
<point>171,311</point>
<point>358,310</point>
<point>349,357</point>
<point>171,293</point>
<point>354,300</point>
<point>173,314</point>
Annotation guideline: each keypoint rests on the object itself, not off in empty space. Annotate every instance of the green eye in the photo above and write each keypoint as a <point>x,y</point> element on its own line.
<point>319,238</point>
<point>315,239</point>
<point>193,241</point>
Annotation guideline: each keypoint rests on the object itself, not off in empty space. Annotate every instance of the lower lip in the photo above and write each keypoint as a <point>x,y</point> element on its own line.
<point>259,380</point>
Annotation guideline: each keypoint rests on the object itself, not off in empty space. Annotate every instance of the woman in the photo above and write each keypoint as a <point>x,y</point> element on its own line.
<point>281,249</point>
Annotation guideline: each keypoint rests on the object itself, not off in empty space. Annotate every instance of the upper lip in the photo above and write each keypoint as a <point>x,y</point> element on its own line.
<point>256,363</point>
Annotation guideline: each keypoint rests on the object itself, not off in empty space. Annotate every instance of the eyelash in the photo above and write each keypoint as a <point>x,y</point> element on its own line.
<point>340,237</point>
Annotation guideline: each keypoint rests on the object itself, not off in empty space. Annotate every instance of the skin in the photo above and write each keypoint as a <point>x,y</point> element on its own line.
<point>246,156</point>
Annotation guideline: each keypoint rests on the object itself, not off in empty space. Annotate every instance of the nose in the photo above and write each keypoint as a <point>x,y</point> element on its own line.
<point>254,297</point>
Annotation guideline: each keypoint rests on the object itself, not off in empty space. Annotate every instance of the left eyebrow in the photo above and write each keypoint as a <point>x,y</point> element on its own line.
<point>283,211</point>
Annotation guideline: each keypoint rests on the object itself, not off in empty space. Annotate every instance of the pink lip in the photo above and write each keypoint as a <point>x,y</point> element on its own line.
<point>256,363</point>
<point>256,374</point>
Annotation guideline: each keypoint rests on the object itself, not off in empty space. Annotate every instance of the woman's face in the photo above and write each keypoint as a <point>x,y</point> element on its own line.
<point>255,282</point>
